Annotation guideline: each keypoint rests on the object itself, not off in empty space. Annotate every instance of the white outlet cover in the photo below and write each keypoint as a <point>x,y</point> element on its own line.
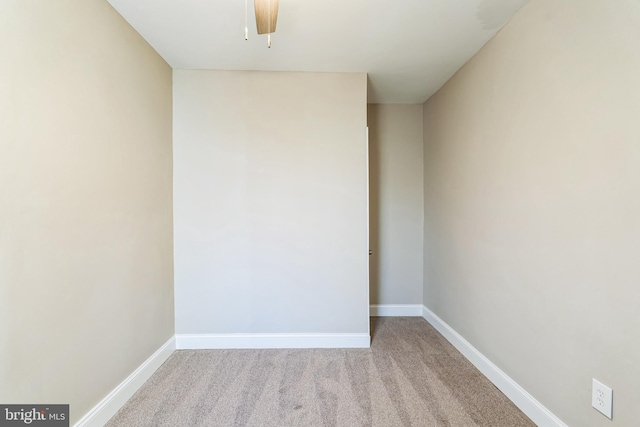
<point>602,398</point>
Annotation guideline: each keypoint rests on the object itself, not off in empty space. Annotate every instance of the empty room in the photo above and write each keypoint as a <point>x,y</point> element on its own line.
<point>322,213</point>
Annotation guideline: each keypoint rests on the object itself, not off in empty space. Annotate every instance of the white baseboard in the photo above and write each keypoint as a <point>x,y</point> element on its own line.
<point>238,341</point>
<point>519,396</point>
<point>111,404</point>
<point>395,310</point>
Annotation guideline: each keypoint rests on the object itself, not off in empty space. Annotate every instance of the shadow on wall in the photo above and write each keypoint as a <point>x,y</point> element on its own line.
<point>374,208</point>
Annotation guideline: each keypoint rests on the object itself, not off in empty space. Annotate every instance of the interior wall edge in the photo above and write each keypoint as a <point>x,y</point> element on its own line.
<point>111,403</point>
<point>535,410</point>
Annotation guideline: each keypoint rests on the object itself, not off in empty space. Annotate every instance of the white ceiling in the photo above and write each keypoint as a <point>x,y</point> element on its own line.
<point>409,48</point>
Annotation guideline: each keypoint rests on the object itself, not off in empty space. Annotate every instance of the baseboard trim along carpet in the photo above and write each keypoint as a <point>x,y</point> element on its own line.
<point>519,396</point>
<point>395,310</point>
<point>246,341</point>
<point>111,404</point>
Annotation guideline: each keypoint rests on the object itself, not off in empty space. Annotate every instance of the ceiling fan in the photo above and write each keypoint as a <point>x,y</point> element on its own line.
<point>266,18</point>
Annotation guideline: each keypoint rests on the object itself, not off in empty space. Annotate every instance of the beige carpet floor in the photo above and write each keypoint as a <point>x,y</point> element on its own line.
<point>411,376</point>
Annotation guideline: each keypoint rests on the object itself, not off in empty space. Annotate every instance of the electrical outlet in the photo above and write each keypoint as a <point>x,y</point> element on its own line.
<point>602,398</point>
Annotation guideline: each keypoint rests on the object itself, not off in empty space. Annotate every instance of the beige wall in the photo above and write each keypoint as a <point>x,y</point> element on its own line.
<point>532,204</point>
<point>86,276</point>
<point>270,202</point>
<point>396,203</point>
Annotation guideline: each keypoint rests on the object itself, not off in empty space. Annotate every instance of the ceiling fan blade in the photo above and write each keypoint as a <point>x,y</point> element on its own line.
<point>263,23</point>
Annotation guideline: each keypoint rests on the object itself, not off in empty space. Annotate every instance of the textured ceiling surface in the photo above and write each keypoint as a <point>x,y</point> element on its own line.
<point>409,48</point>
